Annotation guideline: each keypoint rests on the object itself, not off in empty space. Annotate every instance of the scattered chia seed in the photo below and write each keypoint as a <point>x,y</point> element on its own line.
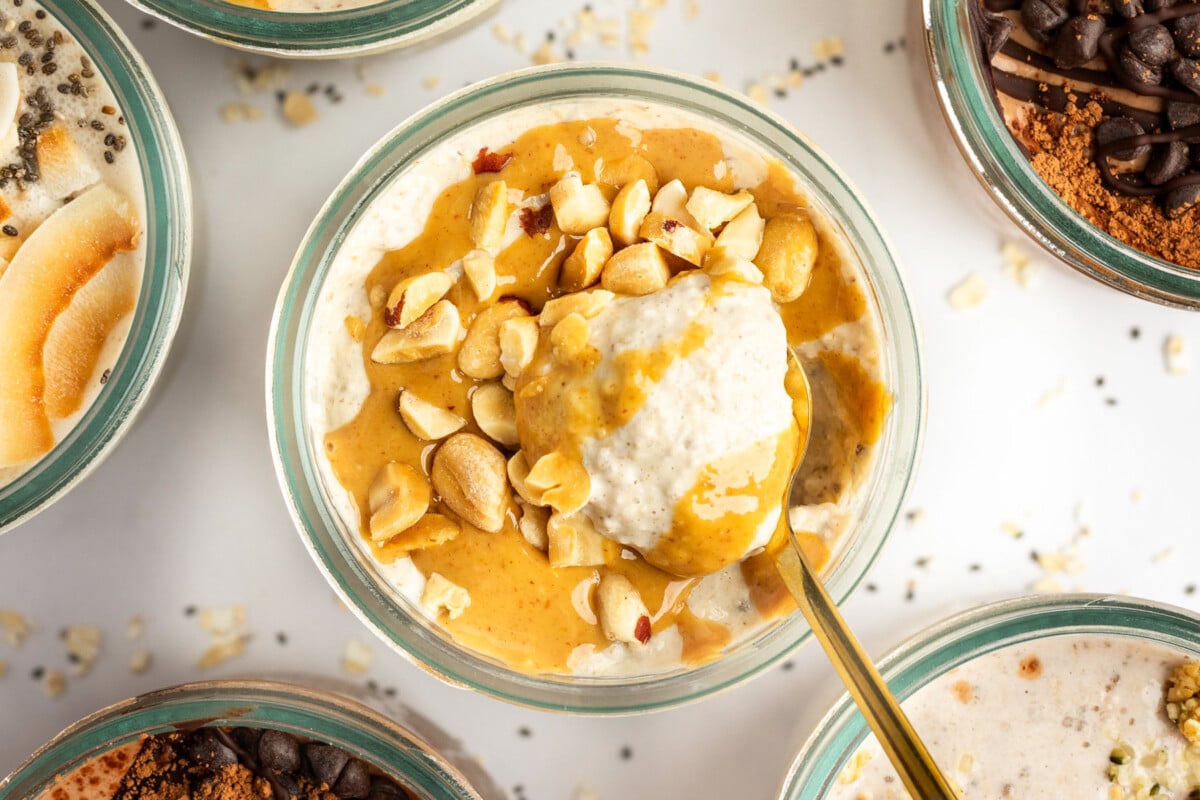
<point>975,567</point>
<point>626,753</point>
<point>189,611</point>
<point>1099,380</point>
<point>1135,332</point>
<point>97,125</point>
<point>109,157</point>
<point>524,732</point>
<point>1189,589</point>
<point>37,673</point>
<point>788,666</point>
<point>105,376</point>
<point>9,230</point>
<point>1110,401</point>
<point>837,61</point>
<point>282,638</point>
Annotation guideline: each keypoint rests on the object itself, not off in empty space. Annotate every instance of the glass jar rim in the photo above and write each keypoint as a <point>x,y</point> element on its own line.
<point>333,718</point>
<point>951,47</point>
<point>169,237</point>
<point>318,526</point>
<point>370,29</point>
<point>947,644</point>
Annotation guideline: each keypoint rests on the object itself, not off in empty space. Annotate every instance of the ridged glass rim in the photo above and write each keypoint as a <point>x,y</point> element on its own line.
<point>345,566</point>
<point>168,233</point>
<point>968,635</point>
<point>326,34</point>
<point>1005,172</point>
<point>334,719</point>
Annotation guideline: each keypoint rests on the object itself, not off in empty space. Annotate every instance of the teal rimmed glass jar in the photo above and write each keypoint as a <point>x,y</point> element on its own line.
<point>358,31</point>
<point>317,715</point>
<point>972,634</point>
<point>315,500</point>
<point>951,47</point>
<point>168,245</point>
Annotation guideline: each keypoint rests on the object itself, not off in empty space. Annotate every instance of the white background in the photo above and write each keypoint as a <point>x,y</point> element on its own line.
<point>187,510</point>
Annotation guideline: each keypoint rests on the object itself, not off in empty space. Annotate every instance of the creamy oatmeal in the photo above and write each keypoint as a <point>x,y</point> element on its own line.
<point>1068,716</point>
<point>549,375</point>
<point>71,221</point>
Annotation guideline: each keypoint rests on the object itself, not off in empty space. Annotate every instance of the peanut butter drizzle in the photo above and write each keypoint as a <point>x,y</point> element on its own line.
<point>522,611</point>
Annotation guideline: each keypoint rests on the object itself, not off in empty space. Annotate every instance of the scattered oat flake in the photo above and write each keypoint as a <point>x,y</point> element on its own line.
<point>54,683</point>
<point>501,32</point>
<point>298,109</point>
<point>140,661</point>
<point>358,658</point>
<point>431,81</point>
<point>1176,355</point>
<point>1137,495</point>
<point>135,627</point>
<point>220,652</point>
<point>715,77</point>
<point>1164,555</point>
<point>915,515</point>
<point>547,54</point>
<point>1050,395</point>
<point>83,646</point>
<point>1046,585</point>
<point>1018,264</point>
<point>758,93</point>
<point>221,621</point>
<point>373,89</point>
<point>586,793</point>
<point>261,77</point>
<point>240,112</point>
<point>829,47</point>
<point>1012,529</point>
<point>968,293</point>
<point>15,627</point>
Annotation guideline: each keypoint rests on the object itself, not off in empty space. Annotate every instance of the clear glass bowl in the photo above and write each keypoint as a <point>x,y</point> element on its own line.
<point>969,635</point>
<point>168,238</point>
<point>331,718</point>
<point>994,157</point>
<point>371,29</point>
<point>332,543</point>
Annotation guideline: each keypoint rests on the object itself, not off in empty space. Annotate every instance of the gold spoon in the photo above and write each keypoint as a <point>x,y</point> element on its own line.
<point>895,733</point>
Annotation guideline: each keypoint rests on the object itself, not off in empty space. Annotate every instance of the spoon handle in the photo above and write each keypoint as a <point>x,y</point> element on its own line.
<point>891,727</point>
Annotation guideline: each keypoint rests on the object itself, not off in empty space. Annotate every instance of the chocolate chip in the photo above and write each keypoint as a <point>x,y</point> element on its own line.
<point>284,787</point>
<point>246,738</point>
<point>1136,70</point>
<point>995,31</point>
<point>1187,35</point>
<point>279,751</point>
<point>384,789</point>
<point>1128,8</point>
<point>205,747</point>
<point>1043,15</point>
<point>1078,41</point>
<point>1181,200</point>
<point>1187,72</point>
<point>326,762</point>
<point>1154,45</point>
<point>355,782</point>
<point>1117,128</point>
<point>1182,115</point>
<point>1168,161</point>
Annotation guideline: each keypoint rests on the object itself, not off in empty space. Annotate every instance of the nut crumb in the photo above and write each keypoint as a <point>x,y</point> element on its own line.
<point>1176,355</point>
<point>240,112</point>
<point>54,684</point>
<point>298,109</point>
<point>1018,264</point>
<point>140,661</point>
<point>15,627</point>
<point>83,646</point>
<point>357,658</point>
<point>968,293</point>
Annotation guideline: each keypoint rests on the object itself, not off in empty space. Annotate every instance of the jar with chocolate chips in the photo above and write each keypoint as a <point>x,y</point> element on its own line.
<point>237,740</point>
<point>1082,119</point>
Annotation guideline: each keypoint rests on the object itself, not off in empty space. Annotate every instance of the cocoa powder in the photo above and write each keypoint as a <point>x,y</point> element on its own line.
<point>1060,147</point>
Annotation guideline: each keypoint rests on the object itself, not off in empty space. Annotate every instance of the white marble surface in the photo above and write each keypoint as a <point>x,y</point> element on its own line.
<point>187,511</point>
